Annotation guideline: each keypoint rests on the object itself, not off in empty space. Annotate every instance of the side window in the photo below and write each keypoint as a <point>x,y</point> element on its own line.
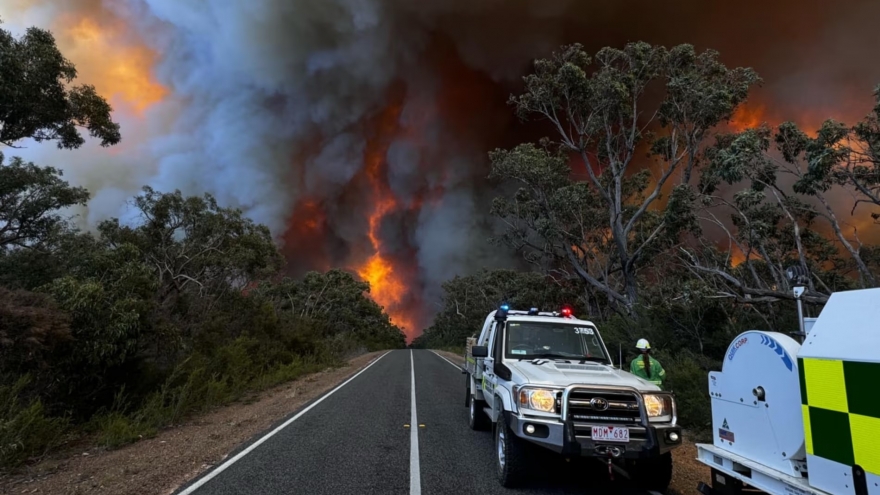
<point>491,337</point>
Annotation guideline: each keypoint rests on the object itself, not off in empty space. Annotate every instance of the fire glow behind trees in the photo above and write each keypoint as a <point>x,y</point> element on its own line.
<point>358,131</point>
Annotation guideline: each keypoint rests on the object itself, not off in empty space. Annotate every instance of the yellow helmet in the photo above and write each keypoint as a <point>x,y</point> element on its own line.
<point>643,345</point>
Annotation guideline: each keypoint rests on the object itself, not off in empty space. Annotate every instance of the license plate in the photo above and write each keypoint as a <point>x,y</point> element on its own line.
<point>610,434</point>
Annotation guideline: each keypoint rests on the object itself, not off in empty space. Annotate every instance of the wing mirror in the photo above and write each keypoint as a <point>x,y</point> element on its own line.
<point>479,351</point>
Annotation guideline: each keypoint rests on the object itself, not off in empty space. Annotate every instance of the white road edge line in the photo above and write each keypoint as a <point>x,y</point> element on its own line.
<point>459,368</point>
<point>415,476</point>
<point>195,486</point>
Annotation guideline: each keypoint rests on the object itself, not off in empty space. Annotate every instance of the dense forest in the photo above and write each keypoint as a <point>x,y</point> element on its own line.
<point>122,331</point>
<point>651,215</point>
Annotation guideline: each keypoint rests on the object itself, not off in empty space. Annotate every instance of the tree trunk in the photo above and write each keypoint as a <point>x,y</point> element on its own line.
<point>632,292</point>
<point>866,275</point>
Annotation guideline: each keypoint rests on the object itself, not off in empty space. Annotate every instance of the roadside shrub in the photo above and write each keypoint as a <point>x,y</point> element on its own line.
<point>25,430</point>
<point>687,374</point>
<point>117,430</point>
<point>200,383</point>
<point>287,372</point>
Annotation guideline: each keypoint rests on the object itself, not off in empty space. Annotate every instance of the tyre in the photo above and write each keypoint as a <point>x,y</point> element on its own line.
<point>654,474</point>
<point>511,455</point>
<point>477,417</point>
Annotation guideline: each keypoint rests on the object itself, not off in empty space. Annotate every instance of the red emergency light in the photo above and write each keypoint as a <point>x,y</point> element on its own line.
<point>566,312</point>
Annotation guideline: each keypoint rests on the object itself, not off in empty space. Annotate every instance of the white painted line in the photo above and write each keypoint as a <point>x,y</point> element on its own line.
<point>415,476</point>
<point>195,486</point>
<point>459,368</point>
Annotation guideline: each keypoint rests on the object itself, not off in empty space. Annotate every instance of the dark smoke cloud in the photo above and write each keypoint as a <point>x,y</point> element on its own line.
<point>271,102</point>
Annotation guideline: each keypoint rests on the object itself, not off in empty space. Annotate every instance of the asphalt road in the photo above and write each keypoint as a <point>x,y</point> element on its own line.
<point>359,440</point>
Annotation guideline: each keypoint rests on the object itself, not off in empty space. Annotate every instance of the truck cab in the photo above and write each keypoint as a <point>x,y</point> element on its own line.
<point>546,380</point>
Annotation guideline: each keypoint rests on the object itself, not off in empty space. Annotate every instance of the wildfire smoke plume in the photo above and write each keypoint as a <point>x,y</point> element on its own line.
<point>357,130</point>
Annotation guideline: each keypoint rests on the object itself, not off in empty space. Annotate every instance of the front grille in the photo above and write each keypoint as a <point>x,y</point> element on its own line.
<point>623,407</point>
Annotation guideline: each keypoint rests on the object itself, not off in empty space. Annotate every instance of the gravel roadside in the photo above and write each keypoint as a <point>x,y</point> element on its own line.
<point>161,464</point>
<point>687,473</point>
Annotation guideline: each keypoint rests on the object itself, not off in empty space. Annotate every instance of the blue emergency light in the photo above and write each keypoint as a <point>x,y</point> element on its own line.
<point>501,314</point>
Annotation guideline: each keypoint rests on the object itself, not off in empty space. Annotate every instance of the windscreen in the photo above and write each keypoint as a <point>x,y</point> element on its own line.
<point>530,340</point>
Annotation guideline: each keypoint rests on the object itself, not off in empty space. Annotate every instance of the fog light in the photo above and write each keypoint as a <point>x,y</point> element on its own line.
<point>536,430</point>
<point>673,436</point>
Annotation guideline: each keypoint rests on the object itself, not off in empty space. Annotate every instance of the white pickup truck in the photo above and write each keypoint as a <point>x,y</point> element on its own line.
<point>547,379</point>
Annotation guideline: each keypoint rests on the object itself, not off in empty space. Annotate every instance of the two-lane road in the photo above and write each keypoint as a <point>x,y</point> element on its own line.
<point>360,439</point>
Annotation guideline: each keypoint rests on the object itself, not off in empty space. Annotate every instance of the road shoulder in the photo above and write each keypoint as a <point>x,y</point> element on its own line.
<point>456,359</point>
<point>176,455</point>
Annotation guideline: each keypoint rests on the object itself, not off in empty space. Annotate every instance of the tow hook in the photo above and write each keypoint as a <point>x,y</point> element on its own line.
<point>610,453</point>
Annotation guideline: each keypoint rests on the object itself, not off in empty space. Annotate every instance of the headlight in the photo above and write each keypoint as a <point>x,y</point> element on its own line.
<point>538,399</point>
<point>659,408</point>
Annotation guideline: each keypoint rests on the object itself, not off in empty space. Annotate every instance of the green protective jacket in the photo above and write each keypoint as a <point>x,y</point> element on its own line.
<point>658,374</point>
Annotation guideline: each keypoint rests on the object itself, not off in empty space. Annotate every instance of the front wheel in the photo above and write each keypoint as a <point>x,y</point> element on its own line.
<point>511,455</point>
<point>654,474</point>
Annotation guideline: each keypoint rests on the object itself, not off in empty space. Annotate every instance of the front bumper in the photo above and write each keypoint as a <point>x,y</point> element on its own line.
<point>566,438</point>
<point>570,439</point>
<point>570,434</point>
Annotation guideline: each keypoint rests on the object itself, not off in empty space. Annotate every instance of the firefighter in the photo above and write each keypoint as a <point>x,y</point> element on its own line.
<point>645,366</point>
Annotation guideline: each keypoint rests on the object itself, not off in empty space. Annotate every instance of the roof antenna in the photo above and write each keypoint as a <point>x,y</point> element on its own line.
<point>620,351</point>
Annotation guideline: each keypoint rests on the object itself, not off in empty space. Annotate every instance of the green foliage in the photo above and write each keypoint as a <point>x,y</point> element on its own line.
<point>688,377</point>
<point>201,382</point>
<point>775,226</point>
<point>336,300</point>
<point>132,328</point>
<point>25,429</point>
<point>30,197</point>
<point>193,244</point>
<point>36,100</point>
<point>108,305</point>
<point>32,330</point>
<point>143,325</point>
<point>604,230</point>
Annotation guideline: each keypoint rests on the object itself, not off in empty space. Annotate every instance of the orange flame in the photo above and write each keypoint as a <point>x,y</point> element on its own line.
<point>736,257</point>
<point>747,116</point>
<point>387,287</point>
